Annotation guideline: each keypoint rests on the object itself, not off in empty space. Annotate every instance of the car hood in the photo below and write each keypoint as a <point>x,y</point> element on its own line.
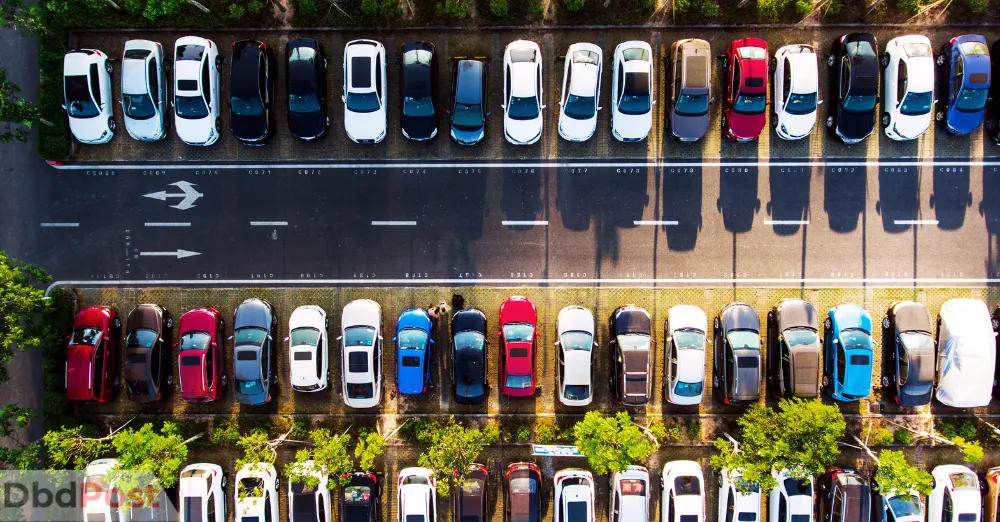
<point>149,129</point>
<point>199,320</point>
<point>518,311</point>
<point>740,316</point>
<point>746,126</point>
<point>420,128</point>
<point>911,127</point>
<point>361,313</point>
<point>911,316</point>
<point>307,125</point>
<point>468,319</point>
<point>688,127</point>
<point>687,317</point>
<point>852,316</point>
<point>413,318</point>
<point>145,317</point>
<point>797,125</point>
<point>89,129</point>
<point>964,122</point>
<point>575,319</point>
<point>795,313</point>
<point>366,125</point>
<point>577,130</point>
<point>308,316</point>
<point>468,137</point>
<point>855,125</point>
<point>195,131</point>
<point>633,126</point>
<point>691,365</point>
<point>522,131</point>
<point>252,128</point>
<point>252,313</point>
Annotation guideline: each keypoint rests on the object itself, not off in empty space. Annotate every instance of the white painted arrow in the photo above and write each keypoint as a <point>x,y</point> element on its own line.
<point>180,253</point>
<point>188,192</point>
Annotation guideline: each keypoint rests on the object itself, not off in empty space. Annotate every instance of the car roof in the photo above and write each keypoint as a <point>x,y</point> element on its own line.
<point>522,74</point>
<point>584,79</point>
<point>577,367</point>
<point>697,64</point>
<point>469,81</point>
<point>804,71</point>
<point>134,76</point>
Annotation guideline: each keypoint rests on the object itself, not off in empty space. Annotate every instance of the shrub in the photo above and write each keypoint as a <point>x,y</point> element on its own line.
<point>964,428</point>
<point>574,5</point>
<point>491,432</point>
<point>803,7</point>
<point>832,8</point>
<point>881,437</point>
<point>453,8</point>
<point>903,437</point>
<point>307,7</point>
<point>237,11</point>
<point>768,11</point>
<point>671,434</point>
<point>547,431</point>
<point>709,9</point>
<point>694,430</point>
<point>370,7</point>
<point>227,433</point>
<point>909,6</point>
<point>255,7</point>
<point>499,8</point>
<point>536,10</point>
<point>978,6</point>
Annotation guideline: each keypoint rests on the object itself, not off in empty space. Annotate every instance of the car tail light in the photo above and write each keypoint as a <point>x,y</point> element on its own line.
<point>262,46</point>
<point>425,389</point>
<point>842,38</point>
<point>371,476</point>
<point>994,478</point>
<point>399,482</point>
<point>954,39</point>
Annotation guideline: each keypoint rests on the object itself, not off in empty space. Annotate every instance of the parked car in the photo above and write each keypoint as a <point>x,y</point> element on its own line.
<point>691,88</point>
<point>632,91</point>
<point>470,500</point>
<point>847,369</point>
<point>196,90</point>
<point>855,86</point>
<point>309,503</point>
<point>308,353</point>
<point>736,362</point>
<point>201,493</point>
<point>522,92</point>
<point>796,91</point>
<point>92,355</point>
<point>523,481</point>
<point>992,501</point>
<point>630,339</point>
<point>744,111</point>
<point>908,66</point>
<point>630,495</point>
<point>966,354</point>
<point>906,331</point>
<point>200,359</point>
<point>992,122</point>
<point>256,493</point>
<point>305,85</point>
<point>361,346</point>
<point>418,91</point>
<point>736,505</point>
<point>963,83</point>
<point>414,351</point>
<point>254,361</point>
<point>518,322</point>
<point>98,508</point>
<point>684,376</point>
<point>470,96</point>
<point>417,496</point>
<point>364,91</point>
<point>581,92</point>
<point>791,500</point>
<point>574,492</point>
<point>896,506</point>
<point>144,90</point>
<point>575,345</point>
<point>955,497</point>
<point>361,498</point>
<point>251,91</point>
<point>794,355</point>
<point>147,342</point>
<point>87,96</point>
<point>683,490</point>
<point>846,496</point>
<point>469,361</point>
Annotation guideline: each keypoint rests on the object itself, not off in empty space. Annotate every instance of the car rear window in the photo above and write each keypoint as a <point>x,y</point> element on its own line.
<point>246,355</point>
<point>633,487</point>
<point>577,511</point>
<point>361,72</point>
<point>136,54</point>
<point>411,362</point>
<point>302,356</point>
<point>187,85</point>
<point>688,518</point>
<point>518,352</point>
<point>190,52</point>
<point>747,362</point>
<point>135,358</point>
<point>967,517</point>
<point>190,360</point>
<point>860,360</point>
<point>192,509</point>
<point>755,82</point>
<point>357,362</point>
<point>687,485</point>
<point>746,516</point>
<point>978,78</point>
<point>414,518</point>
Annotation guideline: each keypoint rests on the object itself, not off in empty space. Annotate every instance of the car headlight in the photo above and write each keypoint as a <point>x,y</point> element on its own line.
<point>434,133</point>
<point>784,130</point>
<point>405,134</point>
<point>103,134</point>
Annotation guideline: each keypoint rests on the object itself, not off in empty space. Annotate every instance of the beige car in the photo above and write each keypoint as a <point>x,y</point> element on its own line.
<point>991,512</point>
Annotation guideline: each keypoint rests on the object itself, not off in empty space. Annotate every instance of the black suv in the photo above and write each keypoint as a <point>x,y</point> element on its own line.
<point>855,87</point>
<point>630,347</point>
<point>845,496</point>
<point>736,361</point>
<point>469,99</point>
<point>305,85</point>
<point>251,90</point>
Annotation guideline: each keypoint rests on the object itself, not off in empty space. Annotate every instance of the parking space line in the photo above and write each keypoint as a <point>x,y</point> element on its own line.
<point>394,223</point>
<point>167,224</point>
<point>655,223</point>
<point>60,225</point>
<point>915,222</point>
<point>269,223</point>
<point>786,221</point>
<point>524,223</point>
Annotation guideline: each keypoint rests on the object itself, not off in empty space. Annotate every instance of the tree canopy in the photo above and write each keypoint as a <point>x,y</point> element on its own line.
<point>161,453</point>
<point>896,475</point>
<point>17,115</point>
<point>613,443</point>
<point>20,16</point>
<point>451,449</point>
<point>328,454</point>
<point>21,304</point>
<point>74,447</point>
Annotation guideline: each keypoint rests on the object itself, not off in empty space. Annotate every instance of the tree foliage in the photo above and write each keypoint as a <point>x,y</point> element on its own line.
<point>371,446</point>
<point>800,436</point>
<point>15,453</point>
<point>21,302</point>
<point>453,8</point>
<point>328,454</point>
<point>20,16</point>
<point>160,453</point>
<point>574,6</point>
<point>613,443</point>
<point>451,448</point>
<point>896,475</point>
<point>256,447</point>
<point>74,447</point>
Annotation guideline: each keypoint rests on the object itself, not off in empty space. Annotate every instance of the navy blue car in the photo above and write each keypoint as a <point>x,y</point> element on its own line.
<point>964,77</point>
<point>413,351</point>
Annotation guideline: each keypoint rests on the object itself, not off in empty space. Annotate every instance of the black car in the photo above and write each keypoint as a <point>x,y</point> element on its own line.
<point>305,83</point>
<point>910,376</point>
<point>418,91</point>
<point>992,121</point>
<point>845,496</point>
<point>630,347</point>
<point>855,86</point>
<point>468,356</point>
<point>469,80</point>
<point>470,499</point>
<point>736,361</point>
<point>360,500</point>
<point>251,90</point>
<point>794,358</point>
<point>147,359</point>
<point>254,360</point>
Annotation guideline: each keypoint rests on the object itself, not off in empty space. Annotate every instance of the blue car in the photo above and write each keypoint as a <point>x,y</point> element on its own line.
<point>413,351</point>
<point>964,87</point>
<point>847,339</point>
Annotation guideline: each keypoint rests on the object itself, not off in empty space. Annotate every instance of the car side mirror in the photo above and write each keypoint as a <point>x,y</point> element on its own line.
<point>819,102</point>
<point>654,102</point>
<point>286,339</point>
<point>498,334</point>
<point>503,106</point>
<point>339,337</point>
<point>230,338</point>
<point>343,99</point>
<point>393,339</point>
<point>448,112</point>
<point>599,107</point>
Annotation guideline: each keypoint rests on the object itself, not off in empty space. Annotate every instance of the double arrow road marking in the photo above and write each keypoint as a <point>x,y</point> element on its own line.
<point>188,194</point>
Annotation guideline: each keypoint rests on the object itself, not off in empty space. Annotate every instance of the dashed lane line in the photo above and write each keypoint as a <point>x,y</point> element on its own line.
<point>269,223</point>
<point>167,224</point>
<point>786,221</point>
<point>655,223</point>
<point>394,223</point>
<point>915,222</point>
<point>60,225</point>
<point>516,223</point>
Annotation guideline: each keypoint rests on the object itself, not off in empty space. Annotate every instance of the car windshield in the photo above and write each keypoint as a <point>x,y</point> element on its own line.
<point>750,103</point>
<point>796,486</point>
<point>360,390</point>
<point>421,107</point>
<point>467,115</point>
<point>247,107</point>
<point>916,103</point>
<point>362,102</point>
<point>801,103</point>
<point>635,96</point>
<point>744,340</point>
<point>691,105</point>
<point>249,336</point>
<point>190,107</point>
<point>138,106</point>
<point>800,337</point>
<point>304,337</point>
<point>86,335</point>
<point>859,102</point>
<point>905,506</point>
<point>855,339</point>
<point>411,339</point>
<point>971,100</point>
<point>139,387</point>
<point>140,338</point>
<point>195,341</point>
<point>525,108</point>
<point>469,339</point>
<point>78,100</point>
<point>580,107</point>
<point>518,381</point>
<point>576,341</point>
<point>359,336</point>
<point>251,387</point>
<point>633,342</point>
<point>689,339</point>
<point>518,332</point>
<point>303,103</point>
<point>576,392</point>
<point>688,389</point>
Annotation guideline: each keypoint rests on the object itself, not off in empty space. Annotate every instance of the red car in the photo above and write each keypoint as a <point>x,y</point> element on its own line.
<point>200,356</point>
<point>92,355</point>
<point>744,111</point>
<point>518,322</point>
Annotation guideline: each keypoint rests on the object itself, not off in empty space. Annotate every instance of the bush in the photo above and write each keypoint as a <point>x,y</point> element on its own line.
<point>903,437</point>
<point>370,7</point>
<point>547,431</point>
<point>671,434</point>
<point>964,428</point>
<point>803,7</point>
<point>574,5</point>
<point>491,432</point>
<point>227,433</point>
<point>237,11</point>
<point>536,10</point>
<point>978,6</point>
<point>694,430</point>
<point>499,8</point>
<point>909,6</point>
<point>453,8</point>
<point>255,7</point>
<point>768,11</point>
<point>881,437</point>
<point>307,7</point>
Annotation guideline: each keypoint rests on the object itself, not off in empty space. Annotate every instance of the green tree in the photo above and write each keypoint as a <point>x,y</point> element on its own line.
<point>16,454</point>
<point>14,418</point>
<point>499,8</point>
<point>19,16</point>
<point>74,447</point>
<point>160,453</point>
<point>371,446</point>
<point>574,5</point>
<point>156,9</point>
<point>800,436</point>
<point>896,475</point>
<point>453,8</point>
<point>451,449</point>
<point>257,448</point>
<point>17,115</point>
<point>21,301</point>
<point>612,443</point>
<point>328,453</point>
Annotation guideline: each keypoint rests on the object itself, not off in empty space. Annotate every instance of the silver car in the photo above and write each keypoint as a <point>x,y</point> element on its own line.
<point>691,88</point>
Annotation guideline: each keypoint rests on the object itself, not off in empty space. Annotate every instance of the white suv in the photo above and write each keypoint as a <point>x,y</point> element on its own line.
<point>956,496</point>
<point>683,485</point>
<point>144,90</point>
<point>201,494</point>
<point>361,346</point>
<point>307,349</point>
<point>256,495</point>
<point>87,96</point>
<point>908,67</point>
<point>364,91</point>
<point>796,91</point>
<point>735,506</point>
<point>522,92</point>
<point>791,500</point>
<point>97,508</point>
<point>629,495</point>
<point>574,490</point>
<point>417,495</point>
<point>196,90</point>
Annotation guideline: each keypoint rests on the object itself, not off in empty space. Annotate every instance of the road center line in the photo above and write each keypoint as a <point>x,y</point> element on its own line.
<point>915,222</point>
<point>167,224</point>
<point>786,221</point>
<point>655,223</point>
<point>269,223</point>
<point>60,225</point>
<point>525,223</point>
<point>394,223</point>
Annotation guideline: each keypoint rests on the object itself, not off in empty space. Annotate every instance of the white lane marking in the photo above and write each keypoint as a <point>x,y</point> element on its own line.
<point>167,224</point>
<point>516,223</point>
<point>786,221</point>
<point>394,223</point>
<point>179,254</point>
<point>60,225</point>
<point>915,222</point>
<point>655,223</point>
<point>188,192</point>
<point>269,223</point>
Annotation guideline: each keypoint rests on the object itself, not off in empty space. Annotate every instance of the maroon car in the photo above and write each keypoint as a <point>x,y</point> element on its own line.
<point>91,355</point>
<point>745,107</point>
<point>523,481</point>
<point>147,368</point>
<point>201,362</point>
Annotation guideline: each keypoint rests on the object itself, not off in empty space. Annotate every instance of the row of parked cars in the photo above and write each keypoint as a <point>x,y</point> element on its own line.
<point>802,359</point>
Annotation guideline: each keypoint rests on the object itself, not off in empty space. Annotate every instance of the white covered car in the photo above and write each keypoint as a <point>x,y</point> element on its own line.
<point>87,96</point>
<point>364,91</point>
<point>574,490</point>
<point>736,506</point>
<point>581,92</point>
<point>908,70</point>
<point>256,493</point>
<point>956,496</point>
<point>200,493</point>
<point>575,329</point>
<point>685,327</point>
<point>791,500</point>
<point>683,485</point>
<point>632,91</point>
<point>307,349</point>
<point>309,503</point>
<point>196,90</point>
<point>361,346</point>
<point>417,495</point>
<point>522,92</point>
<point>144,90</point>
<point>629,495</point>
<point>97,507</point>
<point>796,91</point>
<point>966,354</point>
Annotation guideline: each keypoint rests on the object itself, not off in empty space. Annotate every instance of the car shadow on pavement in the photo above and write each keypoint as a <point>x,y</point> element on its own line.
<point>682,207</point>
<point>989,210</point>
<point>951,196</point>
<point>738,202</point>
<point>844,194</point>
<point>898,197</point>
<point>521,200</point>
<point>789,204</point>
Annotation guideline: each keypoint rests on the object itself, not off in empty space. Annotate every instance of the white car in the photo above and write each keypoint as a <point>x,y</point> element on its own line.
<point>735,506</point>
<point>364,91</point>
<point>966,354</point>
<point>629,495</point>
<point>309,503</point>
<point>575,330</point>
<point>908,72</point>
<point>685,330</point>
<point>632,91</point>
<point>956,495</point>
<point>87,96</point>
<point>574,490</point>
<point>417,495</point>
<point>796,91</point>
<point>683,486</point>
<point>522,92</point>
<point>196,90</point>
<point>201,493</point>
<point>901,506</point>
<point>791,500</point>
<point>581,92</point>
<point>361,346</point>
<point>256,493</point>
<point>309,362</point>
<point>96,503</point>
<point>144,90</point>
